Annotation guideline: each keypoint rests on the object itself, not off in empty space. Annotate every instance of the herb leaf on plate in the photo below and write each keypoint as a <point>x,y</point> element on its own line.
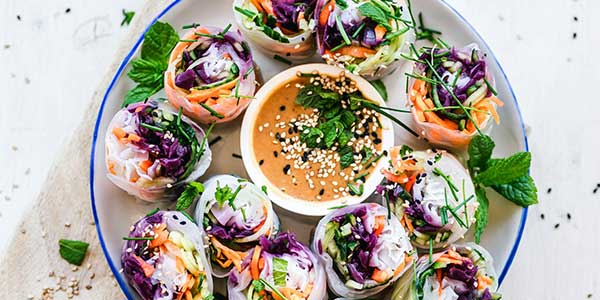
<point>148,70</point>
<point>522,191</point>
<point>187,197</point>
<point>73,251</point>
<point>480,151</point>
<point>481,215</point>
<point>127,17</point>
<point>505,170</point>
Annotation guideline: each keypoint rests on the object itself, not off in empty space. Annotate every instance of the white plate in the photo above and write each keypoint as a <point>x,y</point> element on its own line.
<point>115,211</point>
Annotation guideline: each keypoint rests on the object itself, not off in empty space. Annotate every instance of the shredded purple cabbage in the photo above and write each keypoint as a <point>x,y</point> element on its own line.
<point>284,242</point>
<point>227,233</point>
<point>169,151</point>
<point>473,70</point>
<point>287,12</point>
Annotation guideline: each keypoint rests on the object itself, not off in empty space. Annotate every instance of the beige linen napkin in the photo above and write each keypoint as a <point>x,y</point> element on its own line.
<point>31,267</point>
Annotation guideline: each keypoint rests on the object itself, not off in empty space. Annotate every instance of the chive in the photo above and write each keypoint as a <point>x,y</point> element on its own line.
<point>226,29</point>
<point>439,172</point>
<point>406,85</point>
<point>397,33</point>
<point>212,111</point>
<point>355,190</point>
<point>444,211</point>
<point>248,72</point>
<point>281,59</point>
<point>381,111</point>
<point>245,12</point>
<point>137,238</point>
<point>243,213</point>
<point>430,250</point>
<point>213,36</point>
<point>340,27</point>
<point>420,77</point>
<point>338,47</point>
<point>273,289</point>
<point>458,219</point>
<point>387,203</point>
<point>187,216</point>
<point>358,30</point>
<point>203,144</point>
<point>152,212</point>
<point>489,85</point>
<point>193,54</point>
<point>187,41</point>
<point>193,25</point>
<point>456,77</point>
<point>179,124</point>
<point>361,176</point>
<point>336,207</point>
<point>151,127</point>
<point>456,107</point>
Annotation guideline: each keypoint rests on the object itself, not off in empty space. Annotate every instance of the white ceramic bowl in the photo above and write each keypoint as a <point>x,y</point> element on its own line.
<point>282,199</point>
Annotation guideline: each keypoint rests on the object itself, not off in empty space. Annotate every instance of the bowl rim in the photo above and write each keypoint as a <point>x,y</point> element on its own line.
<point>294,204</point>
<point>123,282</point>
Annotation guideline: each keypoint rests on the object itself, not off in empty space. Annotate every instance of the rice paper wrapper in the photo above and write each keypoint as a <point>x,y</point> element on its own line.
<point>229,99</point>
<point>393,247</point>
<point>304,272</point>
<point>166,281</point>
<point>257,220</point>
<point>124,159</point>
<point>375,66</point>
<point>405,289</point>
<point>439,135</point>
<point>434,193</point>
<point>300,47</point>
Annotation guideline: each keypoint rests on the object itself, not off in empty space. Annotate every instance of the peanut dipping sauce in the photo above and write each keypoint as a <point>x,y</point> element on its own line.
<point>312,173</point>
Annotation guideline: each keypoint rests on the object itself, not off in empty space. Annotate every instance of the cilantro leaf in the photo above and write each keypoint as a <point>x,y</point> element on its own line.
<point>127,17</point>
<point>225,194</point>
<point>73,251</point>
<point>521,191</point>
<point>381,89</point>
<point>279,271</point>
<point>505,170</point>
<point>480,151</point>
<point>187,197</point>
<point>481,215</point>
<point>376,14</point>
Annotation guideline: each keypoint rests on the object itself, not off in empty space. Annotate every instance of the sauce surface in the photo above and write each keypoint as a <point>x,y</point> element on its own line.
<point>311,173</point>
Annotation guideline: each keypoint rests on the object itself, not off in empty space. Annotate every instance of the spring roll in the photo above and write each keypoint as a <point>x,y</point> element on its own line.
<point>152,151</point>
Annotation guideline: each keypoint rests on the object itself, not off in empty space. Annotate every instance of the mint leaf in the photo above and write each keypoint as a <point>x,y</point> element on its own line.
<point>480,151</point>
<point>139,94</point>
<point>279,271</point>
<point>73,251</point>
<point>187,197</point>
<point>310,136</point>
<point>346,157</point>
<point>314,96</point>
<point>160,39</point>
<point>481,215</point>
<point>147,72</point>
<point>127,17</point>
<point>375,13</point>
<point>505,170</point>
<point>521,191</point>
<point>381,89</point>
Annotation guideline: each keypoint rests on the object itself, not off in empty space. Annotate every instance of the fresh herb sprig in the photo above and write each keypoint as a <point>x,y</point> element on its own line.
<point>265,27</point>
<point>508,176</point>
<point>189,194</point>
<point>147,70</point>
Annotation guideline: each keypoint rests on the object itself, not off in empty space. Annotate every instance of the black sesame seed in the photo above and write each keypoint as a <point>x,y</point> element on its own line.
<point>275,153</point>
<point>595,190</point>
<point>68,10</point>
<point>19,17</point>
<point>556,225</point>
<point>183,222</point>
<point>568,216</point>
<point>385,152</point>
<point>236,155</point>
<point>175,217</point>
<point>429,163</point>
<point>261,162</point>
<point>290,131</point>
<point>542,216</point>
<point>549,190</point>
<point>321,192</point>
<point>305,156</point>
<point>374,134</point>
<point>574,35</point>
<point>286,169</point>
<point>278,136</point>
<point>377,141</point>
<point>282,108</point>
<point>575,19</point>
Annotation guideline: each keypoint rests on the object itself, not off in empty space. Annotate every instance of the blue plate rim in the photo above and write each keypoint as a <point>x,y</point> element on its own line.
<point>123,283</point>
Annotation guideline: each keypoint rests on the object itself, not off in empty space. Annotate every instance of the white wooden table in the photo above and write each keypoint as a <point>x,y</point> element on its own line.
<point>51,60</point>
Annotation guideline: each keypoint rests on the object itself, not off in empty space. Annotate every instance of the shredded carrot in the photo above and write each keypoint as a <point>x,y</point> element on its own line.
<point>379,225</point>
<point>356,51</point>
<point>231,255</point>
<point>257,5</point>
<point>134,137</point>
<point>379,275</point>
<point>401,178</point>
<point>497,101</point>
<point>111,167</point>
<point>411,181</point>
<point>144,165</point>
<point>447,259</point>
<point>262,222</point>
<point>254,268</point>
<point>327,9</point>
<point>203,95</point>
<point>188,295</point>
<point>119,132</point>
<point>160,237</point>
<point>439,279</point>
<point>227,56</point>
<point>146,267</point>
<point>454,254</point>
<point>380,32</point>
<point>408,223</point>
